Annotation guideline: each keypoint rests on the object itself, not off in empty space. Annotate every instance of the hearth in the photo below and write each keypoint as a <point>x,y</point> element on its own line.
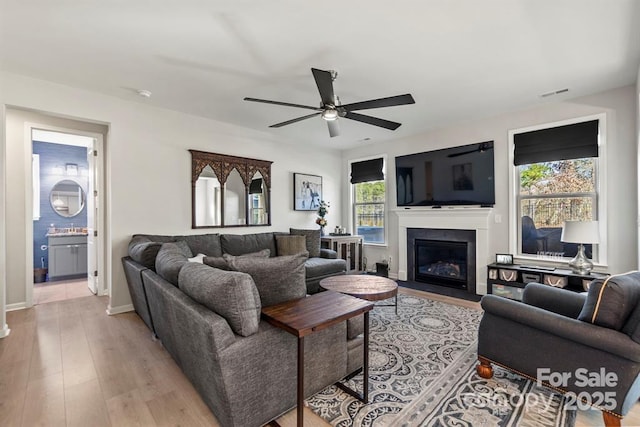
<point>443,257</point>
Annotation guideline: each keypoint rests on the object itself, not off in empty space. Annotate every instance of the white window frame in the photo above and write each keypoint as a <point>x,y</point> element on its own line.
<point>601,194</point>
<point>352,211</point>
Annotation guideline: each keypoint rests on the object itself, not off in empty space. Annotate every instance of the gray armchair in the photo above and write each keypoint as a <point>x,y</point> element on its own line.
<point>543,331</point>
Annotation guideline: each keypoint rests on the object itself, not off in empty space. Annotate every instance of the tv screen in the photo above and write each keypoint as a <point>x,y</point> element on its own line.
<point>452,176</point>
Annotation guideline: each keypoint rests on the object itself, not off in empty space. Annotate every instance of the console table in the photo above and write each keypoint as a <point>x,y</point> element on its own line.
<point>349,248</point>
<point>304,316</point>
<point>509,280</point>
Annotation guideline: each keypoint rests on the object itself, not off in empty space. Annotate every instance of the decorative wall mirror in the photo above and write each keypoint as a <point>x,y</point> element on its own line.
<point>67,198</point>
<point>229,191</point>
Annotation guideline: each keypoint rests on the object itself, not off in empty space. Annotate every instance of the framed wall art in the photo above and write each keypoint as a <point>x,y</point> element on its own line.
<point>307,192</point>
<point>504,259</point>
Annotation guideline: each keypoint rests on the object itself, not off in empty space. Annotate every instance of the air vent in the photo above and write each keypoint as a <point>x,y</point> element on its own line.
<point>555,92</point>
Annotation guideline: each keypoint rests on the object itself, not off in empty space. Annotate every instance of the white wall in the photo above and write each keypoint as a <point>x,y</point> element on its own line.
<point>148,171</point>
<point>638,153</point>
<point>619,105</point>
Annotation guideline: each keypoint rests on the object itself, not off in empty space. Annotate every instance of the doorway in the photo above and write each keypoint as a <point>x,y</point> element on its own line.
<point>66,181</point>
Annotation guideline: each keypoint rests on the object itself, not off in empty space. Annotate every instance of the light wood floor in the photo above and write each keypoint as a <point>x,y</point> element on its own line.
<point>60,290</point>
<point>67,363</point>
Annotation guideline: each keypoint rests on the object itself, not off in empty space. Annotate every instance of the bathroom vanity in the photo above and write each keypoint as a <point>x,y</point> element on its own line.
<point>67,256</point>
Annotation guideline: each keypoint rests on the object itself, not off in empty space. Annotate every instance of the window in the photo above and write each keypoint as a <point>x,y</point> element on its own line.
<point>369,196</point>
<point>556,180</point>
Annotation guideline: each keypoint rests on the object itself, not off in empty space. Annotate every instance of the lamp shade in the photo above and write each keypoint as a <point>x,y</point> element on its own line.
<point>580,232</point>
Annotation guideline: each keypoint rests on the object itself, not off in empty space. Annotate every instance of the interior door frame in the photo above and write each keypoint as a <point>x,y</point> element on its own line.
<point>100,200</point>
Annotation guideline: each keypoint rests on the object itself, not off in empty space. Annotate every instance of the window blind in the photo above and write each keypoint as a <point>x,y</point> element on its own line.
<point>575,141</point>
<point>256,186</point>
<point>367,170</point>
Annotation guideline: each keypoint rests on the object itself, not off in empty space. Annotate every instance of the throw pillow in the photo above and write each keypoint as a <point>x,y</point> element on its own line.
<point>184,248</point>
<point>144,251</point>
<point>278,279</point>
<point>198,258</point>
<point>265,253</point>
<point>312,238</point>
<point>169,261</point>
<point>223,264</point>
<point>610,301</point>
<point>232,295</point>
<point>216,262</point>
<point>290,245</point>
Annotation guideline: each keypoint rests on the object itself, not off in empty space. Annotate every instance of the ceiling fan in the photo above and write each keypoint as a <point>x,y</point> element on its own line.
<point>482,147</point>
<point>330,108</point>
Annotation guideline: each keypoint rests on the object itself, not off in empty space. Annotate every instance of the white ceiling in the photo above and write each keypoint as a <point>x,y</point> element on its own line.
<point>460,59</point>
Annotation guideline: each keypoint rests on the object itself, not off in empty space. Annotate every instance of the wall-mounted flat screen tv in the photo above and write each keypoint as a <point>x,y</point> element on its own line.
<point>453,176</point>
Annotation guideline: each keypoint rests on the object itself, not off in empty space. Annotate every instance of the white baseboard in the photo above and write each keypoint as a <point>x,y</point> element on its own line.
<point>16,306</point>
<point>120,309</point>
<point>4,332</point>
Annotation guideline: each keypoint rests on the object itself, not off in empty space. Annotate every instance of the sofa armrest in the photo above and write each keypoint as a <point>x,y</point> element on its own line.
<point>560,301</point>
<point>328,253</point>
<point>604,339</point>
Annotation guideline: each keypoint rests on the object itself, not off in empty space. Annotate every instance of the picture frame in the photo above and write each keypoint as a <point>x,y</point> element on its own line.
<point>307,192</point>
<point>506,259</point>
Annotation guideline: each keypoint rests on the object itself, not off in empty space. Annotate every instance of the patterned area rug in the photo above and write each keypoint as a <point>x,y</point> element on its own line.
<point>422,373</point>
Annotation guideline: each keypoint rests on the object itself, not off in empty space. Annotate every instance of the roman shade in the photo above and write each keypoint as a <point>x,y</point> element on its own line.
<point>367,170</point>
<point>575,141</point>
<point>256,186</point>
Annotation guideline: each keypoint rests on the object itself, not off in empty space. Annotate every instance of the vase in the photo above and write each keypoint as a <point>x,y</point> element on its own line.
<point>321,231</point>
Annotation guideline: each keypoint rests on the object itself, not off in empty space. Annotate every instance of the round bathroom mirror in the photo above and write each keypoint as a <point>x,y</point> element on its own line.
<point>67,198</point>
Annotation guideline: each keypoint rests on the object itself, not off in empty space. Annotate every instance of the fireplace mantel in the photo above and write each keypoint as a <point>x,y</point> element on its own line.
<point>455,218</point>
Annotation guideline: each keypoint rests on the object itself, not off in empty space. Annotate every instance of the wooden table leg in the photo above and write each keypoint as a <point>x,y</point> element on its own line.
<point>365,374</point>
<point>300,381</point>
<point>396,303</point>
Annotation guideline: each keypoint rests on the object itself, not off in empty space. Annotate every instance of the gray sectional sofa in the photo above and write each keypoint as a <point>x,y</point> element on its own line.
<point>208,318</point>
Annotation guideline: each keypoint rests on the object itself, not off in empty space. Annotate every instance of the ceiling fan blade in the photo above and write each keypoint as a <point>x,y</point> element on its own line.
<point>373,121</point>
<point>286,104</point>
<point>379,103</point>
<point>299,119</point>
<point>325,86</point>
<point>334,128</point>
<point>483,146</point>
<point>463,153</point>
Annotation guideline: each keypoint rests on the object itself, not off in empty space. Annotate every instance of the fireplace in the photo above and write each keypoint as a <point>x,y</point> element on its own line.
<point>441,262</point>
<point>444,257</point>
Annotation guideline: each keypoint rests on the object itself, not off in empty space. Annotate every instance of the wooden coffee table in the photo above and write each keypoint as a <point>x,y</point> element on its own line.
<point>304,316</point>
<point>368,287</point>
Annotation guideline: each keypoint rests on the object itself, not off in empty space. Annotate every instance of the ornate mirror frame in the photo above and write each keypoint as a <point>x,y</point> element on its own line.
<point>223,165</point>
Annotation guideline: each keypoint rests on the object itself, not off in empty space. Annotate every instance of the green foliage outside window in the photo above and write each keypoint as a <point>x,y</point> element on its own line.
<point>553,192</point>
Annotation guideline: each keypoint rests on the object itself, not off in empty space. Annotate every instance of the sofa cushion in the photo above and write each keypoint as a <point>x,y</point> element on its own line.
<point>319,267</point>
<point>144,251</point>
<point>231,294</point>
<point>278,279</point>
<point>208,244</point>
<point>290,245</point>
<point>240,244</point>
<point>313,240</point>
<point>611,301</point>
<point>170,260</point>
<point>184,248</point>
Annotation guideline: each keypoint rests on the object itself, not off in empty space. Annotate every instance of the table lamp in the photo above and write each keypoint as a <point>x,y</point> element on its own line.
<point>580,232</point>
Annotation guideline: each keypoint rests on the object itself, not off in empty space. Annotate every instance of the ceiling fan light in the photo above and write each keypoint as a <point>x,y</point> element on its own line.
<point>330,114</point>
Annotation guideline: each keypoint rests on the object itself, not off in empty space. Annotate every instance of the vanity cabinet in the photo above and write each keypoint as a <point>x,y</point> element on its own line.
<point>67,256</point>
